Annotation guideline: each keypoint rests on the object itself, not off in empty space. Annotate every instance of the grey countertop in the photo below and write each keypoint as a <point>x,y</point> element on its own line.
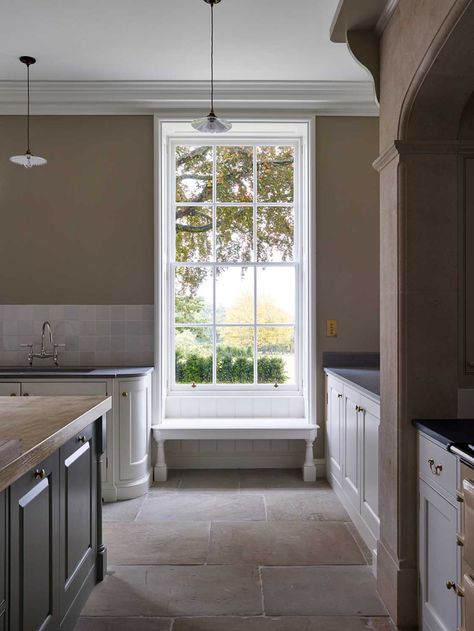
<point>366,378</point>
<point>108,372</point>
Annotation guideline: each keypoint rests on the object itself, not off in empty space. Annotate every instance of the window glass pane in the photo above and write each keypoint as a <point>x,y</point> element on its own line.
<point>276,354</point>
<point>275,169</point>
<point>234,354</point>
<point>234,295</point>
<point>193,295</point>
<point>193,174</point>
<point>234,174</point>
<point>234,234</point>
<point>275,295</point>
<point>275,233</point>
<point>193,354</point>
<point>193,233</point>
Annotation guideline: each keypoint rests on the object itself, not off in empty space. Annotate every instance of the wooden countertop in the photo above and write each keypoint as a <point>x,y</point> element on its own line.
<point>41,425</point>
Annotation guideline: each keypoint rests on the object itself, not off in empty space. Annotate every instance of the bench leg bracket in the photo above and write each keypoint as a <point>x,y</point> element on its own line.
<point>309,468</point>
<point>160,472</point>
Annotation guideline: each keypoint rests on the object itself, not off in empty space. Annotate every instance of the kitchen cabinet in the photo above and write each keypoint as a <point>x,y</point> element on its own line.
<point>126,466</point>
<point>34,549</point>
<point>11,389</point>
<point>438,524</point>
<point>352,448</point>
<point>335,428</point>
<point>55,548</point>
<point>3,559</point>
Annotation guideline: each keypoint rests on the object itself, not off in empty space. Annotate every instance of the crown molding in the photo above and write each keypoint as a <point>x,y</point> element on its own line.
<point>343,98</point>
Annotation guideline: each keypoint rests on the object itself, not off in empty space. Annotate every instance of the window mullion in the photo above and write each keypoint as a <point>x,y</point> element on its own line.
<point>214,268</point>
<point>255,343</point>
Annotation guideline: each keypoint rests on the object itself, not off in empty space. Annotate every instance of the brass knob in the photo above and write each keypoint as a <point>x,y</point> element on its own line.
<point>339,395</point>
<point>82,439</point>
<point>125,394</point>
<point>435,469</point>
<point>452,585</point>
<point>13,394</point>
<point>40,474</point>
<point>459,540</point>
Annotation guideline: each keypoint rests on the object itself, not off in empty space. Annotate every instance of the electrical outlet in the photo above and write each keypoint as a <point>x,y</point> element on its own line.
<point>331,328</point>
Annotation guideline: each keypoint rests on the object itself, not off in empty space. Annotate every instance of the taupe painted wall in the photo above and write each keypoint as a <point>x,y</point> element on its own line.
<point>80,229</point>
<point>347,197</point>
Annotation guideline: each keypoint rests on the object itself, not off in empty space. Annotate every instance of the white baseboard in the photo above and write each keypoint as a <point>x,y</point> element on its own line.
<point>242,461</point>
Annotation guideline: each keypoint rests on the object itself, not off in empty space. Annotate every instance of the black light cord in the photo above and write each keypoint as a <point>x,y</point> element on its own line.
<point>28,109</point>
<point>212,58</point>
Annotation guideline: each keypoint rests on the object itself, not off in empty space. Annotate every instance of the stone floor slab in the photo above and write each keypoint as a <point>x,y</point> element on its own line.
<point>283,543</point>
<point>320,505</point>
<point>287,623</point>
<point>164,543</point>
<point>123,624</point>
<point>321,591</point>
<point>205,480</point>
<point>169,591</point>
<point>258,480</point>
<point>192,506</point>
<point>125,510</point>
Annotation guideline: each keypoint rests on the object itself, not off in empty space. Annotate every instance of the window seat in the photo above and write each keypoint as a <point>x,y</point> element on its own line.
<point>234,429</point>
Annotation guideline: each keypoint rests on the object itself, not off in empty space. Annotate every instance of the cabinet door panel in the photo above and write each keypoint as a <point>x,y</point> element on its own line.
<point>78,512</point>
<point>3,552</point>
<point>335,429</point>
<point>34,549</point>
<point>351,447</point>
<point>438,561</point>
<point>9,389</point>
<point>370,421</point>
<point>65,388</point>
<point>134,429</point>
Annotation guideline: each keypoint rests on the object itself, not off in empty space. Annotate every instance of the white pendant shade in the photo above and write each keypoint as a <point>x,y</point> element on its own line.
<point>27,160</point>
<point>210,124</point>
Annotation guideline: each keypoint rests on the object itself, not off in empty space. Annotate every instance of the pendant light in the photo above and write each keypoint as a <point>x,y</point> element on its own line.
<point>211,124</point>
<point>28,160</point>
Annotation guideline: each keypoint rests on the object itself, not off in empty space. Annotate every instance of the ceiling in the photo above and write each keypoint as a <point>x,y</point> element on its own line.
<point>158,40</point>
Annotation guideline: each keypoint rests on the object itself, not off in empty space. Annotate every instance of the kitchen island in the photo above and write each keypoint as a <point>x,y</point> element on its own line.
<point>51,550</point>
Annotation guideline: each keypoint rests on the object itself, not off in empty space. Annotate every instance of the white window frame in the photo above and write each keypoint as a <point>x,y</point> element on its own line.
<point>172,130</point>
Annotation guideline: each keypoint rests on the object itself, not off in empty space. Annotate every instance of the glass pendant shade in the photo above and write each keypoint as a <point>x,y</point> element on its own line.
<point>27,159</point>
<point>210,124</point>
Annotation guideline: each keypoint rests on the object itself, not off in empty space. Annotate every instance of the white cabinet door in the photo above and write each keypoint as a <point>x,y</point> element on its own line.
<point>351,478</point>
<point>369,421</point>
<point>10,389</point>
<point>438,561</point>
<point>334,429</point>
<point>134,428</point>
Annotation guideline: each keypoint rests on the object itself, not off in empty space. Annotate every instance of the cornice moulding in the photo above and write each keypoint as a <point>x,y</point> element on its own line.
<point>344,98</point>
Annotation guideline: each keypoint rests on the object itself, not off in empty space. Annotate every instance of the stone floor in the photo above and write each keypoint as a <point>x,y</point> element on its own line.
<point>234,550</point>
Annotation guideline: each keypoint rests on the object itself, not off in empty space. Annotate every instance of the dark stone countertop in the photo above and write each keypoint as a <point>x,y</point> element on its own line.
<point>61,372</point>
<point>448,431</point>
<point>366,378</point>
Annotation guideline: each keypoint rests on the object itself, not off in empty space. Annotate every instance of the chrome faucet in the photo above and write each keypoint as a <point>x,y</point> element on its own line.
<point>44,354</point>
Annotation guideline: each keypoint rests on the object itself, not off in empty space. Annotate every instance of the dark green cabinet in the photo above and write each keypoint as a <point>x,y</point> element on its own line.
<point>3,559</point>
<point>34,548</point>
<point>55,538</point>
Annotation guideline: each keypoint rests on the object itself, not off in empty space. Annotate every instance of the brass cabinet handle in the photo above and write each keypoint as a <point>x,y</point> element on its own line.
<point>339,395</point>
<point>435,469</point>
<point>459,497</point>
<point>82,439</point>
<point>125,394</point>
<point>458,591</point>
<point>359,408</point>
<point>459,539</point>
<point>40,474</point>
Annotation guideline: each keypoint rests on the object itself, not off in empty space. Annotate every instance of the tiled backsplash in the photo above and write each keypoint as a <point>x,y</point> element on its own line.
<point>95,335</point>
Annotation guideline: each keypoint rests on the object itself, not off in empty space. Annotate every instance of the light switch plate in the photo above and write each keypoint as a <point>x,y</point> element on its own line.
<point>331,328</point>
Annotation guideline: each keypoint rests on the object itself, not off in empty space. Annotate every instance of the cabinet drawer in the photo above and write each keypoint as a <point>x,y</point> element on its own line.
<point>437,466</point>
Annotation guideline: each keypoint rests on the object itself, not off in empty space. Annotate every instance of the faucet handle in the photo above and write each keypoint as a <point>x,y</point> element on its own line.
<point>56,351</point>
<point>30,352</point>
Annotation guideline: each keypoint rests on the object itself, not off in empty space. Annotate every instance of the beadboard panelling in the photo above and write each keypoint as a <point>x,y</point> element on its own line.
<point>231,407</point>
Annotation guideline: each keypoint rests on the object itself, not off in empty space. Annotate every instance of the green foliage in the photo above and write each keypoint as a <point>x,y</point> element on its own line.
<point>234,365</point>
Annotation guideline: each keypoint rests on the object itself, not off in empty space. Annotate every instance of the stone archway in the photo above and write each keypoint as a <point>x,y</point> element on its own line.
<point>419,177</point>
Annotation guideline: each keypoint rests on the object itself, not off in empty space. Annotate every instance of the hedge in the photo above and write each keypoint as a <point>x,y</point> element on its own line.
<point>234,365</point>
